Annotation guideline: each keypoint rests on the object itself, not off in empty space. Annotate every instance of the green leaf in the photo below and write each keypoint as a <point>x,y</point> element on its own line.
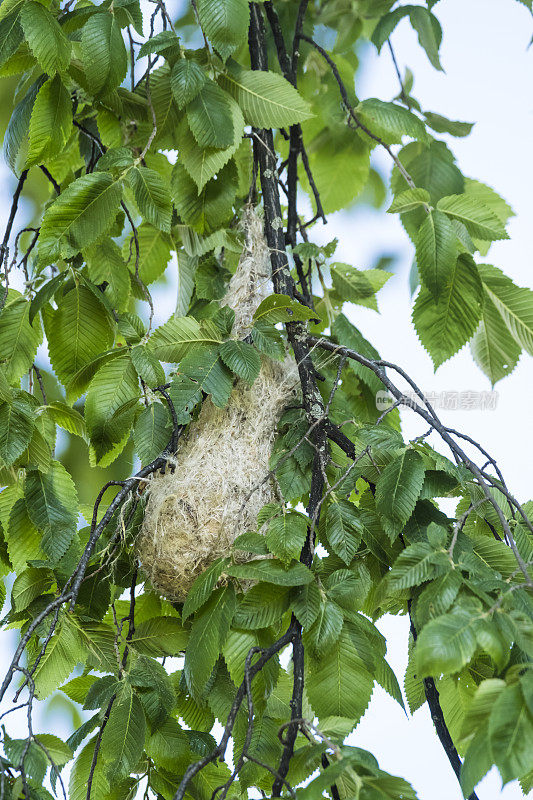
<point>210,117</point>
<point>160,636</point>
<point>399,486</point>
<point>444,327</point>
<point>152,432</point>
<point>325,630</point>
<point>338,684</point>
<point>45,37</point>
<point>206,210</point>
<point>172,340</point>
<point>152,196</point>
<point>28,585</point>
<point>386,25</point>
<point>286,535</point>
<point>16,429</point>
<point>340,174</point>
<point>436,252</point>
<point>59,752</point>
<point>413,566</point>
<point>511,734</point>
<point>262,605</point>
<point>515,305</point>
<point>225,23</point>
<point>443,125</point>
<point>78,331</point>
<point>16,135</point>
<point>280,308</point>
<point>358,286</point>
<point>272,571</point>
<point>147,366</point>
<point>267,100</point>
<point>79,775</point>
<point>202,163</point>
<point>429,33</point>
<point>202,587</point>
<point>18,339</point>
<point>477,762</point>
<point>208,634</point>
<point>10,37</point>
<point>204,366</point>
<point>479,220</point>
<point>63,652</point>
<point>186,80</point>
<point>406,201</point>
<point>52,505</point>
<point>493,348</point>
<point>446,644</point>
<point>51,121</point>
<point>305,603</point>
<point>242,358</point>
<point>154,253</point>
<point>390,121</point>
<point>84,211</point>
<point>109,407</point>
<point>22,537</point>
<point>103,52</point>
<point>123,737</point>
<point>343,529</point>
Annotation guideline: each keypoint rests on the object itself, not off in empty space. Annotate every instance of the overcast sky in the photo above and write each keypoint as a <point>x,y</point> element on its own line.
<point>488,80</point>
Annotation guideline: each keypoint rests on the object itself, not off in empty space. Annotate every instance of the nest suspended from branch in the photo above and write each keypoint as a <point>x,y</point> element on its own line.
<point>194,514</point>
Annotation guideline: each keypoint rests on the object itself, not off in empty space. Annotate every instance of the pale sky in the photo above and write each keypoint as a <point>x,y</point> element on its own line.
<point>488,80</point>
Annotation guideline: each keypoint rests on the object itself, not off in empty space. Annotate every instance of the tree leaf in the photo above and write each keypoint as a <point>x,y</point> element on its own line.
<point>186,80</point>
<point>78,331</point>
<point>208,634</point>
<point>242,358</point>
<point>10,37</point>
<point>28,585</point>
<point>305,603</point>
<point>429,33</point>
<point>267,100</point>
<point>206,210</point>
<point>358,286</point>
<point>343,529</point>
<point>152,196</point>
<point>152,432</point>
<point>225,23</point>
<point>109,407</point>
<point>154,253</point>
<point>515,305</point>
<point>338,684</point>
<point>103,52</point>
<point>446,644</point>
<point>408,200</point>
<point>160,636</point>
<point>511,734</point>
<point>436,252</point>
<point>202,587</point>
<point>123,737</point>
<point>399,486</point>
<point>413,566</point>
<point>493,348</point>
<point>262,605</point>
<point>286,535</point>
<point>59,659</point>
<point>441,124</point>
<point>202,163</point>
<point>390,121</point>
<point>45,37</point>
<point>479,219</point>
<point>325,630</point>
<point>172,340</point>
<point>204,366</point>
<point>80,774</point>
<point>280,308</point>
<point>84,211</point>
<point>272,571</point>
<point>16,429</point>
<point>18,339</point>
<point>444,327</point>
<point>52,505</point>
<point>210,117</point>
<point>51,121</point>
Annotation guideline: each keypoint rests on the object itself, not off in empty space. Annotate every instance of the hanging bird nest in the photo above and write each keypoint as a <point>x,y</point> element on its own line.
<point>217,486</point>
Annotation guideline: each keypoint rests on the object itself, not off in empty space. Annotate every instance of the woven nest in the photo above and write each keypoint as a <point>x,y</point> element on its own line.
<point>194,513</point>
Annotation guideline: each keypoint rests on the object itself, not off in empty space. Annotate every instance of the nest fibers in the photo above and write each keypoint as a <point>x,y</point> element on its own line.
<point>219,484</point>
